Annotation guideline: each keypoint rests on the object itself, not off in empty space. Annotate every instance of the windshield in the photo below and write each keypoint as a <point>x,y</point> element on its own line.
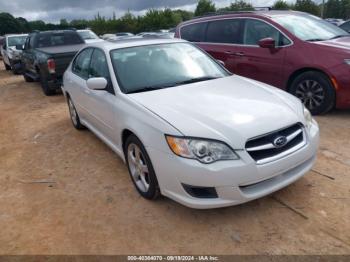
<point>309,28</point>
<point>16,40</point>
<point>86,35</point>
<point>151,67</point>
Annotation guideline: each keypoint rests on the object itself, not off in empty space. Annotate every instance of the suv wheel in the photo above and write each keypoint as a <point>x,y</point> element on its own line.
<point>74,115</point>
<point>315,90</point>
<point>141,169</point>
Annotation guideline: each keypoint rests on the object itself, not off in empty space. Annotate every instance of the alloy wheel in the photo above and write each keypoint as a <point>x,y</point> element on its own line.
<point>73,112</point>
<point>138,167</point>
<point>311,93</point>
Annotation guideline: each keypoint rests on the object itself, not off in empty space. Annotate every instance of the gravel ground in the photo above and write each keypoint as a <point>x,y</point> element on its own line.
<point>64,192</point>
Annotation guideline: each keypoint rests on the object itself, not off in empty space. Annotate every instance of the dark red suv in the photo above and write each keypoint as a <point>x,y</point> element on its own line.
<point>295,51</point>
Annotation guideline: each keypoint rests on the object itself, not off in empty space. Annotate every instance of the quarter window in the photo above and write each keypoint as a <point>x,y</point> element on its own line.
<point>256,30</point>
<point>194,32</point>
<point>82,63</point>
<point>225,31</point>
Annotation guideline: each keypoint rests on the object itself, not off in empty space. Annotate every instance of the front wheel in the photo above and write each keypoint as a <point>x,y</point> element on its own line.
<point>315,90</point>
<point>141,169</point>
<point>7,67</point>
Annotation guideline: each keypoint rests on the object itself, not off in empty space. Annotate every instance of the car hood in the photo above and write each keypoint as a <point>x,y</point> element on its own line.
<point>342,43</point>
<point>231,109</point>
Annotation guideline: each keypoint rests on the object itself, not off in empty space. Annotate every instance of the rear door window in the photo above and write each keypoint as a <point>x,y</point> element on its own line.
<point>225,31</point>
<point>194,32</point>
<point>81,63</point>
<point>255,30</point>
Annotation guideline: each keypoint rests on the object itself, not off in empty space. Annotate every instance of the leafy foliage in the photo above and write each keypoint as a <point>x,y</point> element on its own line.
<point>156,19</point>
<point>282,5</point>
<point>204,7</point>
<point>238,5</point>
<point>307,6</point>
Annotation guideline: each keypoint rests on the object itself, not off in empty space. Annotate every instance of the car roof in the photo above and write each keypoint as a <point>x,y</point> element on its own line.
<point>10,35</point>
<point>133,42</point>
<point>232,14</point>
<point>54,31</point>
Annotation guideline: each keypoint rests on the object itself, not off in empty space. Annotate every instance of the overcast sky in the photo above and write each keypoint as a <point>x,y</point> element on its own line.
<point>54,10</point>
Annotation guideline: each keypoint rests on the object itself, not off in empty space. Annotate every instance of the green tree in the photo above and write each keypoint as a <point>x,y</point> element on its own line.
<point>23,25</point>
<point>37,25</point>
<point>307,6</point>
<point>238,5</point>
<point>281,5</point>
<point>345,9</point>
<point>203,7</point>
<point>8,24</point>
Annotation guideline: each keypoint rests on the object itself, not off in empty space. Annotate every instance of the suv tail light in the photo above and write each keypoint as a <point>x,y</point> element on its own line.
<point>51,66</point>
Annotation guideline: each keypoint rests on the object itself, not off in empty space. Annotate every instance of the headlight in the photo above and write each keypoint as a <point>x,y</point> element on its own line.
<point>347,61</point>
<point>308,118</point>
<point>205,151</point>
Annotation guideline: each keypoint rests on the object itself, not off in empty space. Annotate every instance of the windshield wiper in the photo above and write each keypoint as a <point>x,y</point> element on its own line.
<point>157,87</point>
<point>338,36</point>
<point>195,80</point>
<point>145,89</point>
<point>315,39</point>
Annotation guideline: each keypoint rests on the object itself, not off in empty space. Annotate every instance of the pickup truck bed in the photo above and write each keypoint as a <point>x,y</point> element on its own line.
<point>62,55</point>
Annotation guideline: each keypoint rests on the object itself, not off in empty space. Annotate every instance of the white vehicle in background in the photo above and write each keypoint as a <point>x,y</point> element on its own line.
<point>89,36</point>
<point>186,127</point>
<point>108,37</point>
<point>10,54</point>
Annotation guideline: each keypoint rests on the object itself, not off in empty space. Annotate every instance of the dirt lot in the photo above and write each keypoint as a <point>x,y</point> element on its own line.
<point>65,192</point>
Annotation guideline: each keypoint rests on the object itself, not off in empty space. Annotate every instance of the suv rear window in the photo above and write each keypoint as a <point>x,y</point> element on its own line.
<point>58,39</point>
<point>225,31</point>
<point>194,32</point>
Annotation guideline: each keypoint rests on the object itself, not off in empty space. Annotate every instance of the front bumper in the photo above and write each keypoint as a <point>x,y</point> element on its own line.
<point>236,181</point>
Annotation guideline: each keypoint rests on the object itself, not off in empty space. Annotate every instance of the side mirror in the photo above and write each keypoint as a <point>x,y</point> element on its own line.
<point>267,43</point>
<point>19,47</point>
<point>97,83</point>
<point>221,62</point>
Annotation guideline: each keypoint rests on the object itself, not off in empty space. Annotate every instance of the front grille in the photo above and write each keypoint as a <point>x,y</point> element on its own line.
<point>263,149</point>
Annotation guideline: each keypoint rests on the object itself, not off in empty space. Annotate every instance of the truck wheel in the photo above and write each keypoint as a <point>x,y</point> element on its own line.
<point>45,86</point>
<point>27,78</point>
<point>7,67</point>
<point>315,90</point>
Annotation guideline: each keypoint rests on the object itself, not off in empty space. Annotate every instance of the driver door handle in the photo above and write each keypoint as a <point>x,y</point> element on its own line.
<point>240,54</point>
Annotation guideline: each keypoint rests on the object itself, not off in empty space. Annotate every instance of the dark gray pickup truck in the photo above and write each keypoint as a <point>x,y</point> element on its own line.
<point>46,56</point>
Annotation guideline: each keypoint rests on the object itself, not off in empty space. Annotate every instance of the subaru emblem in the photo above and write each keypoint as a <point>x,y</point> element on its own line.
<point>280,141</point>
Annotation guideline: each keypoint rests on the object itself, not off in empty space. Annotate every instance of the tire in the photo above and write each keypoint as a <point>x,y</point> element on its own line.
<point>7,67</point>
<point>141,169</point>
<point>27,78</point>
<point>12,68</point>
<point>315,90</point>
<point>74,115</point>
<point>45,86</point>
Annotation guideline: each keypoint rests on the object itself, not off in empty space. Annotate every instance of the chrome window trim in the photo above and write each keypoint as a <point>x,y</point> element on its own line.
<point>230,18</point>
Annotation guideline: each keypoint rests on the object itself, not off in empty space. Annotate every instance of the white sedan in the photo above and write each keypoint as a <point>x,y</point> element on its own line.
<point>186,127</point>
